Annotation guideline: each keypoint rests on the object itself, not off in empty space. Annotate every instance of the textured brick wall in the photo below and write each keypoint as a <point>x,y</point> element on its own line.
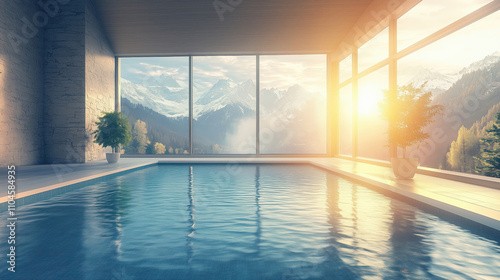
<point>65,85</point>
<point>79,71</point>
<point>57,76</point>
<point>99,79</point>
<point>21,85</point>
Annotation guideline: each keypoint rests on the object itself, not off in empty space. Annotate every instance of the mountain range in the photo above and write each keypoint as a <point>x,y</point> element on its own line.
<point>438,82</point>
<point>220,112</point>
<point>467,101</point>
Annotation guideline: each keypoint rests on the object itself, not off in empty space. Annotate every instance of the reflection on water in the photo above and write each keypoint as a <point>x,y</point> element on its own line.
<point>258,230</point>
<point>191,220</point>
<point>249,222</point>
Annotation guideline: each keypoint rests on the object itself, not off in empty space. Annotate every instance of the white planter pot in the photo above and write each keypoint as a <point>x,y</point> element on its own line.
<point>112,157</point>
<point>404,168</point>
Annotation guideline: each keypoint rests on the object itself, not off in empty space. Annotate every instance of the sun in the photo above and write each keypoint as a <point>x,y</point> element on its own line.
<point>368,103</point>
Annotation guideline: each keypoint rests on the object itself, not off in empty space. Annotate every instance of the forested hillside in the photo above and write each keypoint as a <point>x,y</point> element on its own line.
<point>466,149</point>
<point>171,132</point>
<point>470,102</point>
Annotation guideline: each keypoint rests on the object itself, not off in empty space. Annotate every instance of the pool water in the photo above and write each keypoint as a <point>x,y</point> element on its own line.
<point>240,222</point>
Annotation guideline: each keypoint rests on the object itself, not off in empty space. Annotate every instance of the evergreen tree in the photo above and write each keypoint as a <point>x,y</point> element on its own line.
<point>490,152</point>
<point>408,112</point>
<point>150,148</point>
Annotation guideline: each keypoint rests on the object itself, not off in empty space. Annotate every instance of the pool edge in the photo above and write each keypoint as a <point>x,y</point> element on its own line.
<point>33,196</point>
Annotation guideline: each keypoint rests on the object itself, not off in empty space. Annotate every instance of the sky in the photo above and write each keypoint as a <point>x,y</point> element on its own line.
<point>278,71</point>
<point>457,50</point>
<point>137,69</point>
<point>284,71</point>
<point>208,70</point>
<point>431,15</point>
<point>447,55</point>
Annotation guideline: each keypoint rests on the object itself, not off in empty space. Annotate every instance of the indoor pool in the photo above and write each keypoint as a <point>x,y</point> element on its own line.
<point>240,222</point>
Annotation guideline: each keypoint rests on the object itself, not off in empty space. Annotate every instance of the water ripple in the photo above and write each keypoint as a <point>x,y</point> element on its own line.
<point>263,222</point>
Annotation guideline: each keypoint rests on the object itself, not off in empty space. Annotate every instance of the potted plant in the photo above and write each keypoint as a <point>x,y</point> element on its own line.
<point>407,112</point>
<point>113,129</point>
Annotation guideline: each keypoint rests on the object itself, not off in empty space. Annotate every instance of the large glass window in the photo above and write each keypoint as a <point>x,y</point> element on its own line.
<point>155,98</point>
<point>345,123</point>
<point>462,71</point>
<point>374,51</point>
<point>345,69</point>
<point>372,129</point>
<point>430,16</point>
<point>293,104</point>
<point>224,105</point>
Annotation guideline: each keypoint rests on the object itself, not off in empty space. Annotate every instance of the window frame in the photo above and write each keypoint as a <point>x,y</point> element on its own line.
<point>329,98</point>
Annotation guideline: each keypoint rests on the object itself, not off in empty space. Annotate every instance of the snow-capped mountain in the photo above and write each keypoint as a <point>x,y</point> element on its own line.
<point>161,98</point>
<point>224,93</point>
<point>166,81</point>
<point>440,82</point>
<point>436,82</point>
<point>169,97</point>
<point>481,64</point>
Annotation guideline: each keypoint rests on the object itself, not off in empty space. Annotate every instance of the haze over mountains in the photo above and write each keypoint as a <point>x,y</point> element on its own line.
<point>221,111</point>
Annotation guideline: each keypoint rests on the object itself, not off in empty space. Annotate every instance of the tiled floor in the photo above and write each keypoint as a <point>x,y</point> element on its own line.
<point>477,203</point>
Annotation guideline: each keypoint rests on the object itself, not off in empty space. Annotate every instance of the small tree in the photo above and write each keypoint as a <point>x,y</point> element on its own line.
<point>216,149</point>
<point>408,112</point>
<point>140,139</point>
<point>160,148</point>
<point>113,130</point>
<point>462,151</point>
<point>490,153</point>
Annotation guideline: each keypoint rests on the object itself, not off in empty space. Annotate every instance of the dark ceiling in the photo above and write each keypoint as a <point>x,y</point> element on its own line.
<point>170,27</point>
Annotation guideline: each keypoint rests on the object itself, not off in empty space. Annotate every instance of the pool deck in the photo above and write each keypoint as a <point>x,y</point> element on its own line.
<point>473,202</point>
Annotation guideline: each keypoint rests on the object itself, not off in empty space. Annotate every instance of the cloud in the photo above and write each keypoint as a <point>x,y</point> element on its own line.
<point>278,71</point>
<point>284,71</point>
<point>214,68</point>
<point>148,65</point>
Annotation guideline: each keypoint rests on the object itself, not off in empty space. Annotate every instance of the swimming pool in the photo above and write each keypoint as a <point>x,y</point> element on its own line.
<point>243,221</point>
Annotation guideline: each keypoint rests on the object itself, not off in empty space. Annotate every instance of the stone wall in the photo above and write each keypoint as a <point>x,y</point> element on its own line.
<point>99,79</point>
<point>64,67</point>
<point>56,77</point>
<point>21,84</point>
<point>79,70</point>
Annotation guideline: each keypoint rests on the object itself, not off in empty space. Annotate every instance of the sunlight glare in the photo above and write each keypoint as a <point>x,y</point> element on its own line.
<point>368,102</point>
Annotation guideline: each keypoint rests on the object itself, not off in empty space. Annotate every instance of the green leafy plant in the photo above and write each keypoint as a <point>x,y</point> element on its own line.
<point>408,112</point>
<point>113,130</point>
